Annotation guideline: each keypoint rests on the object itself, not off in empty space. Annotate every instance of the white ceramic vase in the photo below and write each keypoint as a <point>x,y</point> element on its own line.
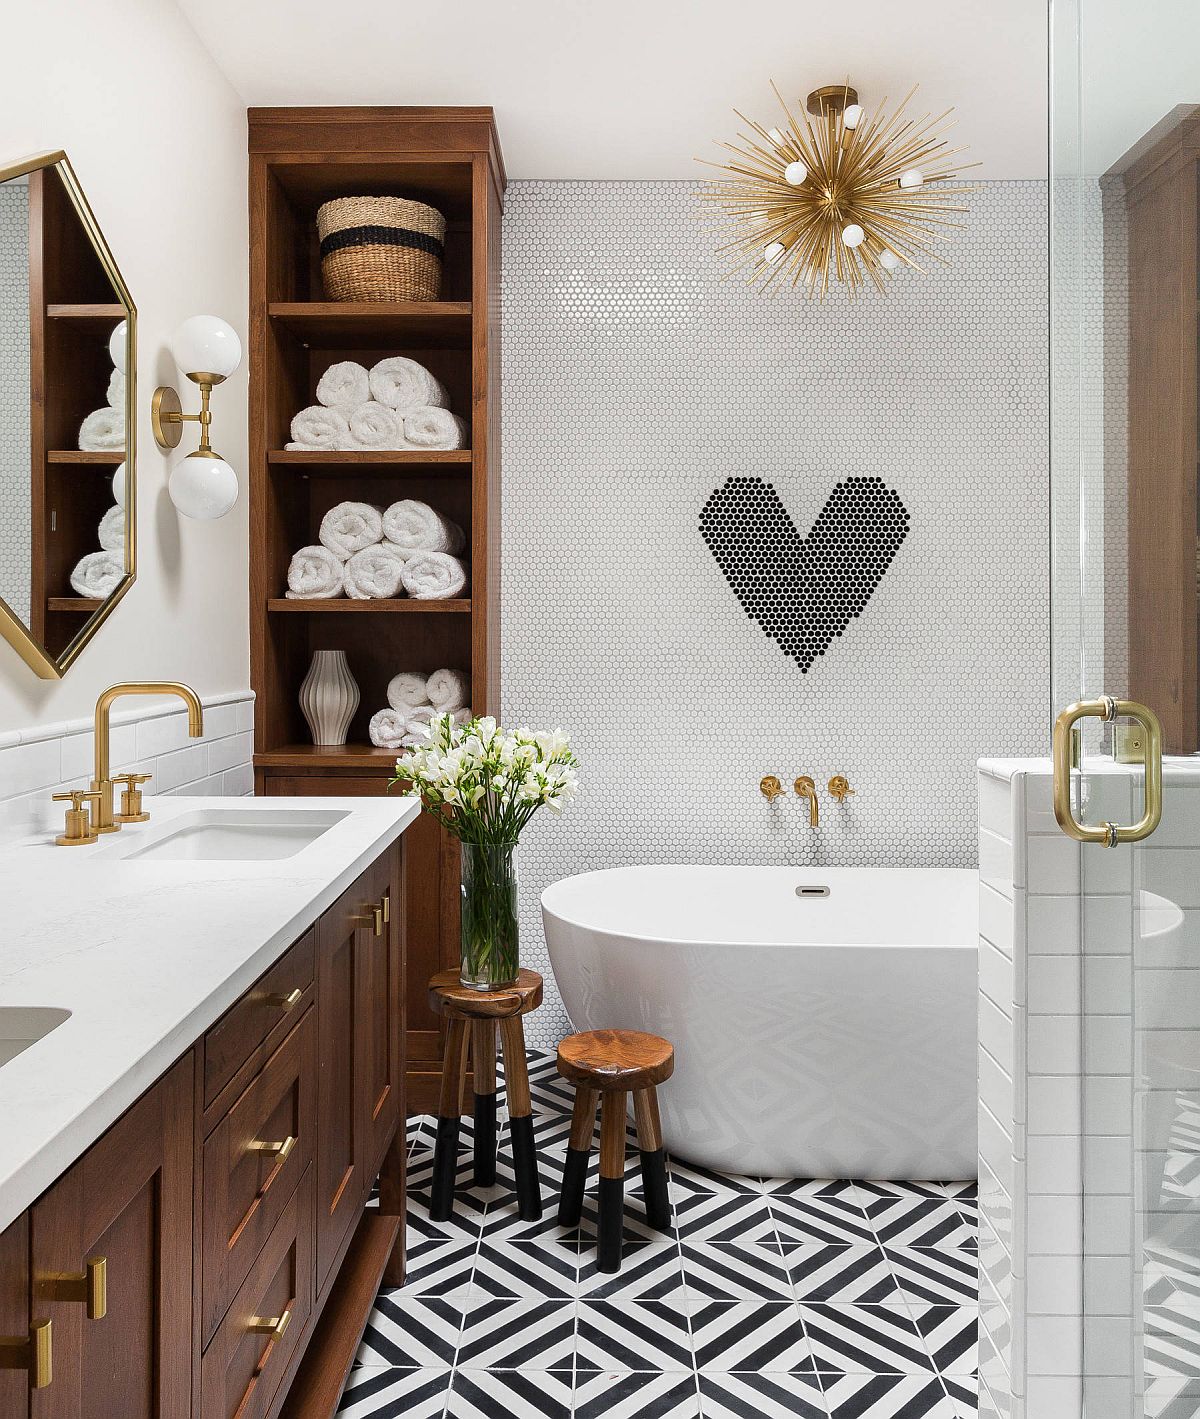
<point>329,696</point>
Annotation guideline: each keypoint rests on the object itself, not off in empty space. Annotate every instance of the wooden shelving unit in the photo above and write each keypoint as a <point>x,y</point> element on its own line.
<point>299,158</point>
<point>1160,185</point>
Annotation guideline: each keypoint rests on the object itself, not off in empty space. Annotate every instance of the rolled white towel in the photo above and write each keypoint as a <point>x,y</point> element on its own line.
<point>116,390</point>
<point>374,573</point>
<point>387,729</point>
<point>315,574</point>
<point>461,716</point>
<point>349,527</point>
<point>416,527</point>
<point>449,690</point>
<point>97,574</point>
<point>407,690</point>
<point>419,719</point>
<point>319,428</point>
<point>433,576</point>
<point>103,430</point>
<point>373,425</point>
<point>343,386</point>
<point>403,384</point>
<point>434,428</point>
<point>112,530</point>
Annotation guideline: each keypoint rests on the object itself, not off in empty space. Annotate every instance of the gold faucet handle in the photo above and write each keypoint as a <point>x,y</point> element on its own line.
<point>770,788</point>
<point>839,787</point>
<point>78,829</point>
<point>805,786</point>
<point>131,798</point>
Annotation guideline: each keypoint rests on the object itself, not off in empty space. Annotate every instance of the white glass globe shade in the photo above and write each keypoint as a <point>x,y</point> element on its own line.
<point>206,344</point>
<point>203,488</point>
<point>119,484</point>
<point>117,342</point>
<point>776,137</point>
<point>796,174</point>
<point>774,251</point>
<point>889,260</point>
<point>912,177</point>
<point>852,116</point>
<point>853,235</point>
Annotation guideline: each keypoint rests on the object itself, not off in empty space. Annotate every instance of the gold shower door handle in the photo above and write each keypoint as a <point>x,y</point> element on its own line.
<point>1065,735</point>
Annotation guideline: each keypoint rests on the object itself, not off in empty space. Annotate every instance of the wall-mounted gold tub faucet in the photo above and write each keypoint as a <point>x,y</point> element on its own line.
<point>102,783</point>
<point>770,788</point>
<point>806,788</point>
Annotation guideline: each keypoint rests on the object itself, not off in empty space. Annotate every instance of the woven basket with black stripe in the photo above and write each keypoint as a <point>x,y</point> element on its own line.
<point>380,249</point>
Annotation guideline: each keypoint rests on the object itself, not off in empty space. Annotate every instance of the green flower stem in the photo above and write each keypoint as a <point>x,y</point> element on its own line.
<point>490,931</point>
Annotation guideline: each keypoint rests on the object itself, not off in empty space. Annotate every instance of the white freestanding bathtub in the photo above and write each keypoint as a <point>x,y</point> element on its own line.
<point>824,1019</point>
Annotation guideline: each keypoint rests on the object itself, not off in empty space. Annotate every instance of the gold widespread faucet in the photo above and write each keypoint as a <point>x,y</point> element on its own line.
<point>806,788</point>
<point>102,782</point>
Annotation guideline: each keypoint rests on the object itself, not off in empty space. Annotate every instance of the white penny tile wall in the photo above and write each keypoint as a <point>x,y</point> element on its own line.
<point>1089,1074</point>
<point>147,737</point>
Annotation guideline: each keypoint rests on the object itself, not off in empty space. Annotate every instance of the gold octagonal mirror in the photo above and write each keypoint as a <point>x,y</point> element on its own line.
<point>67,373</point>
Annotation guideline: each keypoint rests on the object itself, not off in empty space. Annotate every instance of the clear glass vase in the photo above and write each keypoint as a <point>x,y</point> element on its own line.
<point>490,933</point>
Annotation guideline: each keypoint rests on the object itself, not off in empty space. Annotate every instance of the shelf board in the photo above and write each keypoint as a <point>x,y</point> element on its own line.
<point>376,325</point>
<point>366,757</point>
<point>94,460</point>
<point>345,604</point>
<point>94,315</point>
<point>373,461</point>
<point>73,603</point>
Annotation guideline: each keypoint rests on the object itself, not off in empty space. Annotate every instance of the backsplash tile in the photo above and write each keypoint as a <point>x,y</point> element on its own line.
<point>50,758</point>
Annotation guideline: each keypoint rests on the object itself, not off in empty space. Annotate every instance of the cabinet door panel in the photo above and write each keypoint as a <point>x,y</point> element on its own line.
<point>380,1017</point>
<point>128,1199</point>
<point>14,1312</point>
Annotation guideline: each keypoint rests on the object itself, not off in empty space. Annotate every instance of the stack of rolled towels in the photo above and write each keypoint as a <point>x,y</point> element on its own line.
<point>413,700</point>
<point>103,431</point>
<point>370,554</point>
<point>397,404</point>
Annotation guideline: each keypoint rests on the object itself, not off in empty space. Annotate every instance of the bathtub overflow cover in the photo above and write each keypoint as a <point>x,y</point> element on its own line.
<point>812,891</point>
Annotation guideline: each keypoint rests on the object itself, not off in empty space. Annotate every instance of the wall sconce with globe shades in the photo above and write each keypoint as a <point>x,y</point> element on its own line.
<point>207,350</point>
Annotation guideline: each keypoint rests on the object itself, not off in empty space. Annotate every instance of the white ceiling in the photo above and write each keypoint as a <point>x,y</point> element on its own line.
<point>641,88</point>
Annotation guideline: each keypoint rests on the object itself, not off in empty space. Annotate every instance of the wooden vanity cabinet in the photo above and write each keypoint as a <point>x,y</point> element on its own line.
<point>233,1191</point>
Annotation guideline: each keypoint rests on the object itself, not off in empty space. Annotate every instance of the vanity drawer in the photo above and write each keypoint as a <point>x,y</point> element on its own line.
<point>257,1023</point>
<point>247,1357</point>
<point>251,1164</point>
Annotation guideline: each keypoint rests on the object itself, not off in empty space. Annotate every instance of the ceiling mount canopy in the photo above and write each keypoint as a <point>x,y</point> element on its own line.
<point>841,198</point>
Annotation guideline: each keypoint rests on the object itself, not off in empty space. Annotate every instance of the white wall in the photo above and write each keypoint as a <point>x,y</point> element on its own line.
<point>157,138</point>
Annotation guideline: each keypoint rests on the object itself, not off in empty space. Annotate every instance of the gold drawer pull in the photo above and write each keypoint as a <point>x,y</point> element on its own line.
<point>386,903</point>
<point>280,1150</point>
<point>283,1002</point>
<point>274,1326</point>
<point>372,915</point>
<point>34,1352</point>
<point>87,1288</point>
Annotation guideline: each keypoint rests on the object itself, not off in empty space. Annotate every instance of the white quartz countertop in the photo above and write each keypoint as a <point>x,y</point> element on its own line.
<point>146,955</point>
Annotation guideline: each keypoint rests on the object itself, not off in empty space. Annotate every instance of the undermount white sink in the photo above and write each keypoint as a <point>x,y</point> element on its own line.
<point>23,1025</point>
<point>224,835</point>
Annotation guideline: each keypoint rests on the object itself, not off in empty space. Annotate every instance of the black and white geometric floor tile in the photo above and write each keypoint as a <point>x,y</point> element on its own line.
<point>768,1298</point>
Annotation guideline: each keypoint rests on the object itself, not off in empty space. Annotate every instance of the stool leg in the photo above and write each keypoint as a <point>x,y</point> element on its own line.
<point>654,1158</point>
<point>445,1152</point>
<point>612,1180</point>
<point>579,1150</point>
<point>520,1119</point>
<point>483,1053</point>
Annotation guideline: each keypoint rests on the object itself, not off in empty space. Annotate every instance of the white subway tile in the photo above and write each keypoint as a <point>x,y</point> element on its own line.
<point>1053,1286</point>
<point>996,863</point>
<point>996,976</point>
<point>1107,871</point>
<point>1053,1044</point>
<point>996,1159</point>
<point>1166,1059</point>
<point>230,753</point>
<point>1039,803</point>
<point>1108,1225</point>
<point>996,918</point>
<point>25,768</point>
<point>1054,1224</point>
<point>995,1203</point>
<point>161,734</point>
<point>1108,1163</point>
<point>1107,985</point>
<point>1107,1104</point>
<point>1110,1397</point>
<point>1053,865</point>
<point>1107,1345</point>
<point>1054,1346</point>
<point>1167,999</point>
<point>220,720</point>
<point>1108,925</point>
<point>1171,872</point>
<point>995,1262</point>
<point>1054,1163</point>
<point>245,715</point>
<point>995,1389</point>
<point>1108,1043</point>
<point>1108,1285</point>
<point>1180,825</point>
<point>184,765</point>
<point>996,1034</point>
<point>1054,1397</point>
<point>1052,925</point>
<point>995,806</point>
<point>239,782</point>
<point>1054,1104</point>
<point>1053,985</point>
<point>996,1087</point>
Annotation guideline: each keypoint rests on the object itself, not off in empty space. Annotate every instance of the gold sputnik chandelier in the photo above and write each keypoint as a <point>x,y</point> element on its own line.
<point>839,197</point>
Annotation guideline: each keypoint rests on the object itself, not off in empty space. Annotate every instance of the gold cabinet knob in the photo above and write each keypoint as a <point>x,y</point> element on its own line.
<point>372,915</point>
<point>274,1326</point>
<point>281,1151</point>
<point>770,788</point>
<point>283,1002</point>
<point>839,787</point>
<point>78,828</point>
<point>33,1352</point>
<point>131,798</point>
<point>88,1288</point>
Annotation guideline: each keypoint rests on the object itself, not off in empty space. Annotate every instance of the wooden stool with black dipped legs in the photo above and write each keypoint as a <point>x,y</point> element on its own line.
<point>483,1011</point>
<point>615,1064</point>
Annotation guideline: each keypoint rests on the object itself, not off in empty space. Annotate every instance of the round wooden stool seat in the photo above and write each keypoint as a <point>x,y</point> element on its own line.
<point>449,997</point>
<point>616,1059</point>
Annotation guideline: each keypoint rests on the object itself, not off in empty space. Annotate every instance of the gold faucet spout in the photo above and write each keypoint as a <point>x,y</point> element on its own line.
<point>806,788</point>
<point>102,780</point>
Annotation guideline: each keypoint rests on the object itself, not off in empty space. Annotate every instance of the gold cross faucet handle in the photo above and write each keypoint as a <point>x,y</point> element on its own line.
<point>839,787</point>
<point>131,798</point>
<point>770,788</point>
<point>78,830</point>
